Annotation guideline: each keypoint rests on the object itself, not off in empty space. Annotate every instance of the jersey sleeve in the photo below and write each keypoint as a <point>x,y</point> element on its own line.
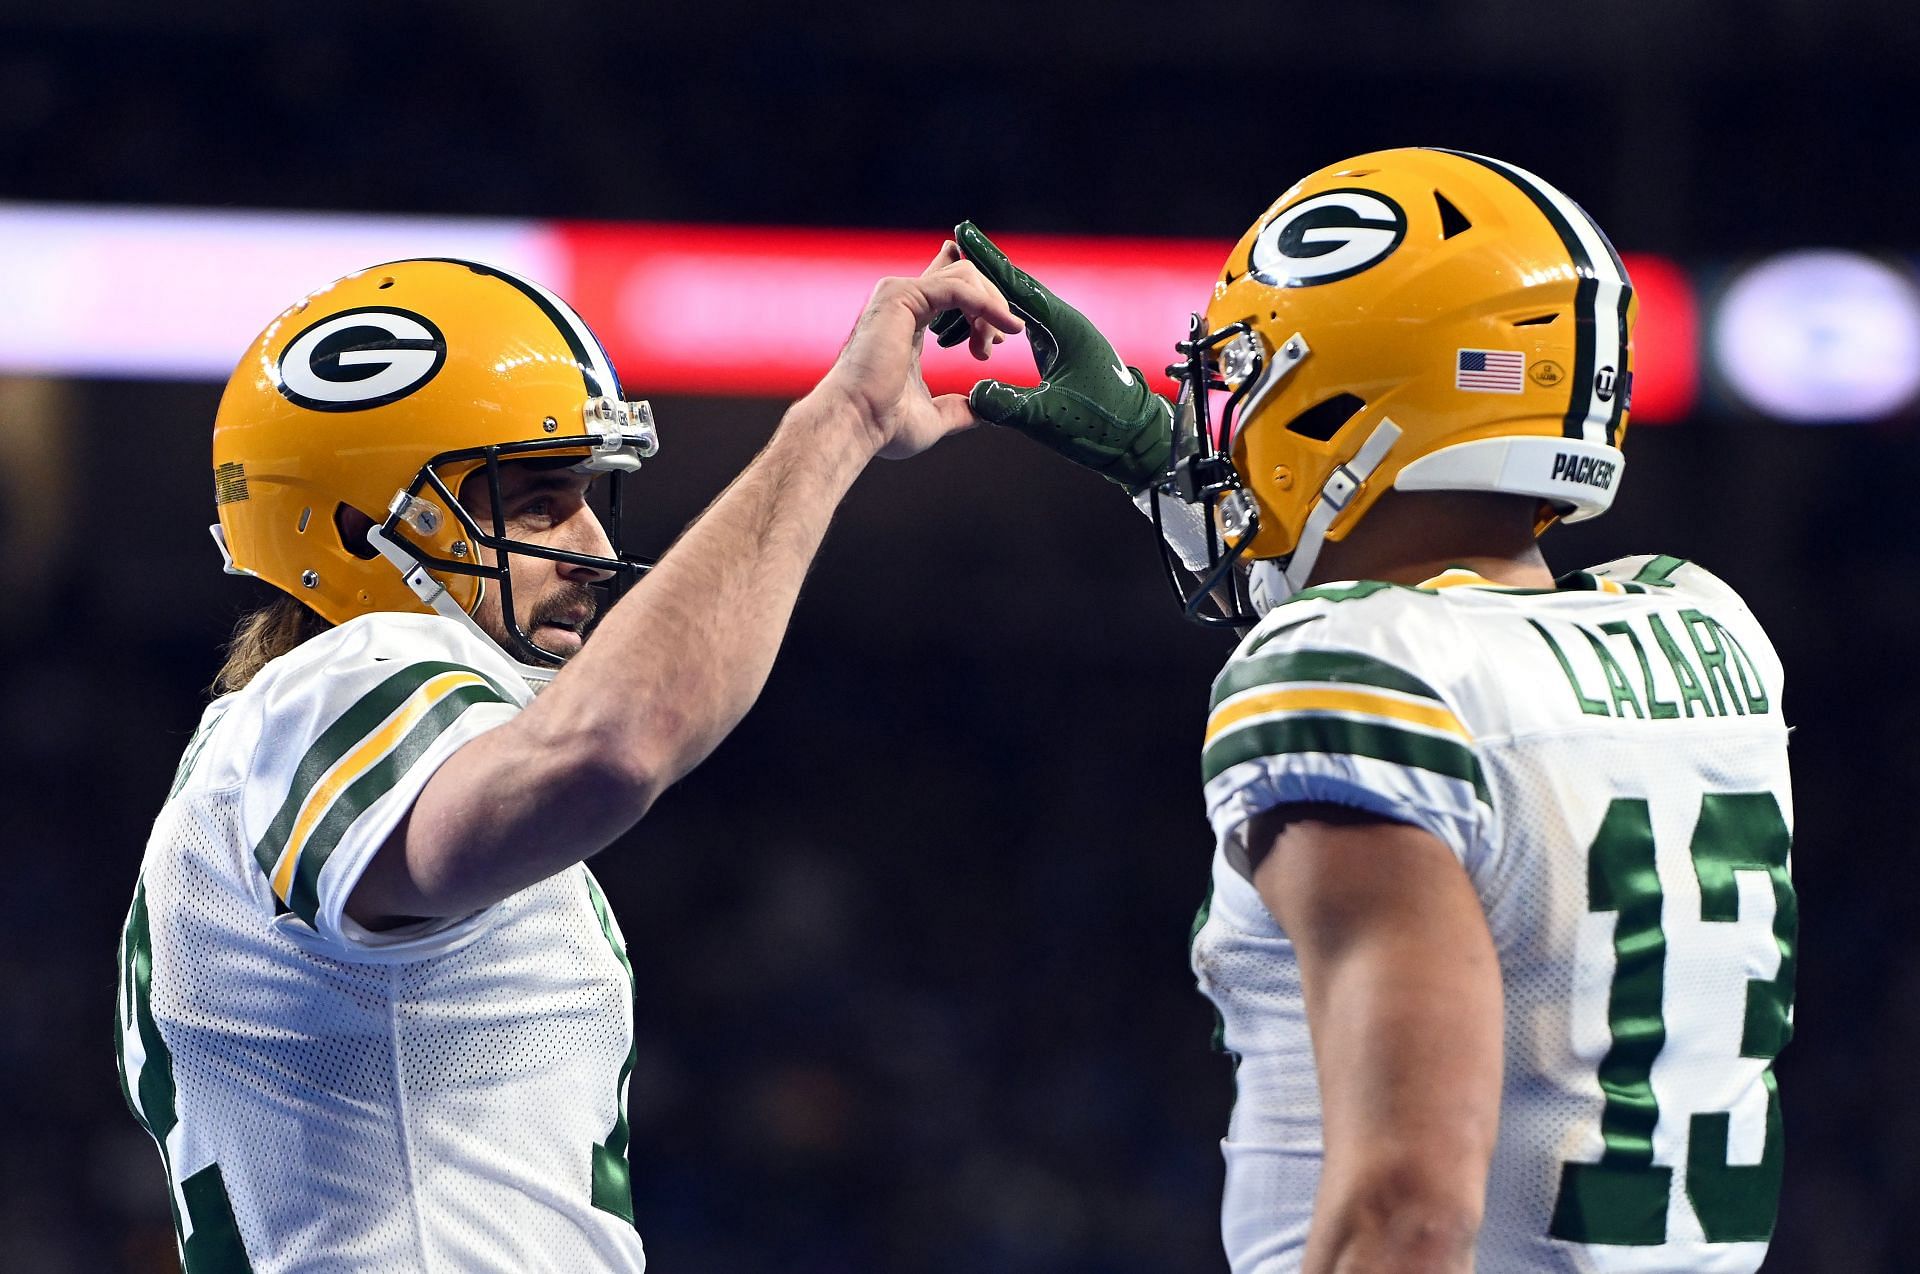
<point>1329,707</point>
<point>352,727</point>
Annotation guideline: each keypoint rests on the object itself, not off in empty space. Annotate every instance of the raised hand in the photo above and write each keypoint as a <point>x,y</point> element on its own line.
<point>878,370</point>
<point>1089,405</point>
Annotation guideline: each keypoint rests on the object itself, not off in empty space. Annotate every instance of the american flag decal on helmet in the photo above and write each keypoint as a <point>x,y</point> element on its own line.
<point>1490,371</point>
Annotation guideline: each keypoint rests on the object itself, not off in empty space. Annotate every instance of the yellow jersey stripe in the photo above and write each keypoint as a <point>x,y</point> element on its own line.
<point>1434,716</point>
<point>1457,577</point>
<point>357,762</point>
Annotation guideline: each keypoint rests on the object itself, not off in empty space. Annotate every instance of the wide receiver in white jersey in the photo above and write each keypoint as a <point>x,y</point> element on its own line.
<point>1501,932</point>
<point>373,1007</point>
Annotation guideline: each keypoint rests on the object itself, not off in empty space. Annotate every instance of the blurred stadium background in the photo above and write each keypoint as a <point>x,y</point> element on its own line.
<point>910,947</point>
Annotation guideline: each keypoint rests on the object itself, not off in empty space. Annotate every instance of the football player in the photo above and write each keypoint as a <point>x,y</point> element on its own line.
<point>373,1007</point>
<point>1501,933</point>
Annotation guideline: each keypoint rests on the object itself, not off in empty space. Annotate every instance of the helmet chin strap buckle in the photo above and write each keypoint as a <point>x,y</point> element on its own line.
<point>1340,486</point>
<point>413,572</point>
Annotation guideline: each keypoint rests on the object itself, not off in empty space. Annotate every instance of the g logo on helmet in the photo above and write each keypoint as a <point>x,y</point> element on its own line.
<point>1325,237</point>
<point>360,358</point>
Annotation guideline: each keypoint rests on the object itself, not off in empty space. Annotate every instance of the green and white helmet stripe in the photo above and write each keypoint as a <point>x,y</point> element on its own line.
<point>595,367</point>
<point>1598,390</point>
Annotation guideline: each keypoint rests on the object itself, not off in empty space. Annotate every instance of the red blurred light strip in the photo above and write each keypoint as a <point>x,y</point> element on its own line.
<point>1666,357</point>
<point>718,310</point>
<point>91,291</point>
<point>712,310</point>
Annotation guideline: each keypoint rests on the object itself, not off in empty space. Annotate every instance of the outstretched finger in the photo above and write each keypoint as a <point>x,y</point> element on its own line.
<point>982,251</point>
<point>983,339</point>
<point>961,286</point>
<point>948,254</point>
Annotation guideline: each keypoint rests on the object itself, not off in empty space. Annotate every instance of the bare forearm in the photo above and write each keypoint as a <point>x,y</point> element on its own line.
<point>669,672</point>
<point>676,665</point>
<point>1403,998</point>
<point>1410,1092</point>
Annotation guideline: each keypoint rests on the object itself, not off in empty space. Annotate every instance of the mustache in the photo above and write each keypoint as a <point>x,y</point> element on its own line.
<point>562,606</point>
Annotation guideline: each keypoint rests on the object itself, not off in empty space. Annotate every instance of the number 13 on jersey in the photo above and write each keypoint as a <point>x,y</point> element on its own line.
<point>1623,1198</point>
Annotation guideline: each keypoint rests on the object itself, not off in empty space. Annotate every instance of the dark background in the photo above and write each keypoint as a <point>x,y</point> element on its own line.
<point>910,946</point>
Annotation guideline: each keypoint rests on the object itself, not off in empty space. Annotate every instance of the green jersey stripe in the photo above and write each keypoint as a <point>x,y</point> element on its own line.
<point>123,1009</point>
<point>353,725</point>
<point>1659,572</point>
<point>612,1169</point>
<point>1193,939</point>
<point>1348,592</point>
<point>1334,666</point>
<point>371,786</point>
<point>213,1246</point>
<point>154,1084</point>
<point>1275,736</point>
<point>195,746</point>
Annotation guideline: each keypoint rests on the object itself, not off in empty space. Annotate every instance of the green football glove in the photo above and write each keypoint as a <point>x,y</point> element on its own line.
<point>1089,406</point>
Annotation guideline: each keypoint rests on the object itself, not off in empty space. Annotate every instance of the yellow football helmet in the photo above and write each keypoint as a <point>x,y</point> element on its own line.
<point>1420,319</point>
<point>382,392</point>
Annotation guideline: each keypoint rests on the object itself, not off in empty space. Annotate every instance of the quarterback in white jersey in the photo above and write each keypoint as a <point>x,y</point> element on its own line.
<point>1501,932</point>
<point>373,1007</point>
<point>446,1095</point>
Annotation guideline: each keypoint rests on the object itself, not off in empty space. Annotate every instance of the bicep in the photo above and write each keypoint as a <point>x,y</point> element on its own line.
<point>507,809</point>
<point>1402,984</point>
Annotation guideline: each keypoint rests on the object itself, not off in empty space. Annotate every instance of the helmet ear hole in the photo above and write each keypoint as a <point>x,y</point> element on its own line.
<point>353,526</point>
<point>1324,419</point>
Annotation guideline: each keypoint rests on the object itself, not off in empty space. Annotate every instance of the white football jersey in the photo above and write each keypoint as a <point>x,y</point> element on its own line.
<point>1609,764</point>
<point>445,1096</point>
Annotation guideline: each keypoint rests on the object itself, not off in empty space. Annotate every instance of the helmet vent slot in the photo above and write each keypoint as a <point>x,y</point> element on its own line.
<point>1538,320</point>
<point>1323,420</point>
<point>1452,220</point>
<point>386,283</point>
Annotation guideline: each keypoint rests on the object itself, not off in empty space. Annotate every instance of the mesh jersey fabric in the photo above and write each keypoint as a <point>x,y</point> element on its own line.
<point>445,1096</point>
<point>1557,741</point>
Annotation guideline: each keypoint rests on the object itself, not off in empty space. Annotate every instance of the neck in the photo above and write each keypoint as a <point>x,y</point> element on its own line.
<point>1408,537</point>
